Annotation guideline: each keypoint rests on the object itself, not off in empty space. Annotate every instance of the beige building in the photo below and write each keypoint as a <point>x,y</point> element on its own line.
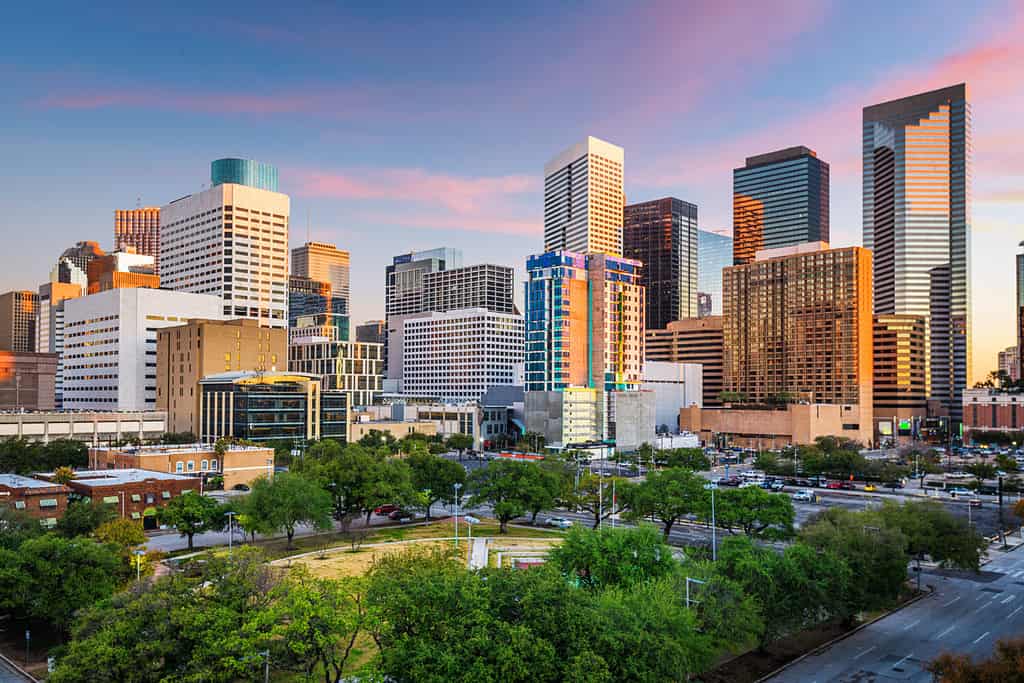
<point>324,263</point>
<point>362,424</point>
<point>695,340</point>
<point>18,321</point>
<point>27,380</point>
<point>777,427</point>
<point>187,353</point>
<point>237,464</point>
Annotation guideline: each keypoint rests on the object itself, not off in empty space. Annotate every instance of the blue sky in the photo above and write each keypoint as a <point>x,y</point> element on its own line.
<point>416,125</point>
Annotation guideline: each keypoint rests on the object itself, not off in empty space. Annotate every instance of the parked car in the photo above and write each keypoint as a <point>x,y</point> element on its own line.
<point>385,509</point>
<point>870,487</point>
<point>959,491</point>
<point>749,485</point>
<point>835,485</point>
<point>778,485</point>
<point>240,487</point>
<point>847,486</point>
<point>804,496</point>
<point>400,515</point>
<point>559,522</point>
<point>729,481</point>
<point>974,502</point>
<point>957,475</point>
<point>893,485</point>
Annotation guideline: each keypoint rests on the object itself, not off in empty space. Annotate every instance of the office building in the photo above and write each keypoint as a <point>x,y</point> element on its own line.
<point>693,342</point>
<point>18,311</point>
<point>479,286</point>
<point>270,406</point>
<point>779,199</point>
<point>309,297</point>
<point>993,410</point>
<point>789,425</point>
<point>917,219</point>
<point>1008,363</point>
<point>73,265</point>
<point>122,269</point>
<point>255,174</point>
<point>714,252</point>
<point>1020,312</point>
<point>40,499</point>
<point>188,352</point>
<point>356,368</point>
<point>457,355</point>
<point>236,464</point>
<point>110,344</point>
<point>139,229</point>
<point>50,327</point>
<point>371,332</point>
<point>403,279</point>
<point>324,263</point>
<point>27,380</point>
<point>584,199</point>
<point>231,242</point>
<point>90,427</point>
<point>900,361</point>
<point>675,386</point>
<point>662,235</point>
<point>798,327</point>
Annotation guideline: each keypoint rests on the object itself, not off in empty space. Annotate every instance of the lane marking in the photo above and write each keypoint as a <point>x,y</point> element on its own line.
<point>1009,598</point>
<point>980,637</point>
<point>981,595</point>
<point>945,632</point>
<point>952,601</point>
<point>984,606</point>
<point>1015,611</point>
<point>905,659</point>
<point>912,625</point>
<point>864,652</point>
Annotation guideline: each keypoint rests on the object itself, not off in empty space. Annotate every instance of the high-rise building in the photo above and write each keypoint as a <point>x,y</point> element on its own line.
<point>73,265</point>
<point>307,297</point>
<point>247,172</point>
<point>714,252</point>
<point>457,355</point>
<point>662,235</point>
<point>1008,362</point>
<point>325,263</point>
<point>899,372</point>
<point>371,332</point>
<point>186,353</point>
<point>798,327</point>
<point>584,198</point>
<point>403,279</point>
<point>1020,312</point>
<point>139,229</point>
<point>355,368</point>
<point>479,286</point>
<point>50,327</point>
<point>110,344</point>
<point>779,199</point>
<point>917,220</point>
<point>698,341</point>
<point>231,242</point>
<point>18,321</point>
<point>122,269</point>
<point>27,380</point>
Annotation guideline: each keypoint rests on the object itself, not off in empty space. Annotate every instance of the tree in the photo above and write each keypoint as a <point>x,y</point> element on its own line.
<point>612,557</point>
<point>63,474</point>
<point>191,514</point>
<point>596,494</point>
<point>435,477</point>
<point>753,511</point>
<point>504,485</point>
<point>931,530</point>
<point>83,517</point>
<point>459,442</point>
<point>1005,666</point>
<point>287,500</point>
<point>981,470</point>
<point>123,534</point>
<point>668,495</point>
<point>686,458</point>
<point>16,527</point>
<point>65,453</point>
<point>543,485</point>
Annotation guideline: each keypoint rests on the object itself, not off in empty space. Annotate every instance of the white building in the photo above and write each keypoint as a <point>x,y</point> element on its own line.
<point>584,199</point>
<point>110,344</point>
<point>456,355</point>
<point>675,386</point>
<point>231,242</point>
<point>354,367</point>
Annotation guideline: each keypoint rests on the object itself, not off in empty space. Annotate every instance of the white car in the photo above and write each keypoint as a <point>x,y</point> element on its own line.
<point>559,522</point>
<point>804,496</point>
<point>959,491</point>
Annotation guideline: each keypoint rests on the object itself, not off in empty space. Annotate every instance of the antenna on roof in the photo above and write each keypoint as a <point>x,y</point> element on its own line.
<point>307,226</point>
<point>138,202</point>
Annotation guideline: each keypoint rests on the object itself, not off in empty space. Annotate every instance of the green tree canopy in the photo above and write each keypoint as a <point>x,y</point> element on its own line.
<point>504,485</point>
<point>435,477</point>
<point>191,514</point>
<point>668,496</point>
<point>612,557</point>
<point>754,512</point>
<point>931,530</point>
<point>287,500</point>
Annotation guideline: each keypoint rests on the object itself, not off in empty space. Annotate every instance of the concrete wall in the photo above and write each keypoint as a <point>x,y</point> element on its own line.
<point>675,386</point>
<point>635,413</point>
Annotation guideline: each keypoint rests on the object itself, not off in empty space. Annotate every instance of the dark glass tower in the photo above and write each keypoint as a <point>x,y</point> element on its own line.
<point>917,222</point>
<point>662,234</point>
<point>779,199</point>
<point>1020,310</point>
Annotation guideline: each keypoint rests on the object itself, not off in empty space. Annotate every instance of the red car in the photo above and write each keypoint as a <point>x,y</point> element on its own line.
<point>385,509</point>
<point>847,486</point>
<point>834,485</point>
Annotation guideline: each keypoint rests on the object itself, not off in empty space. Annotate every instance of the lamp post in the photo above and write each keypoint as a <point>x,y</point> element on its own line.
<point>688,582</point>
<point>139,554</point>
<point>711,486</point>
<point>457,486</point>
<point>231,529</point>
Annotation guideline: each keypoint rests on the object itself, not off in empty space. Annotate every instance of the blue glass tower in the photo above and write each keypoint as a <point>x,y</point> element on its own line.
<point>714,252</point>
<point>244,172</point>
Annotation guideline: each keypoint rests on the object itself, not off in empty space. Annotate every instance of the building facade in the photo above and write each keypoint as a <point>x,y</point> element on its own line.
<point>110,344</point>
<point>779,199</point>
<point>662,235</point>
<point>356,368</point>
<point>309,297</point>
<point>27,381</point>
<point>139,229</point>
<point>693,342</point>
<point>793,424</point>
<point>50,328</point>
<point>479,286</point>
<point>993,410</point>
<point>132,494</point>
<point>900,363</point>
<point>1020,312</point>
<point>1008,362</point>
<point>257,174</point>
<point>231,242</point>
<point>236,464</point>
<point>714,253</point>
<point>798,327</point>
<point>917,220</point>
<point>323,262</point>
<point>403,279</point>
<point>371,332</point>
<point>73,265</point>
<point>584,199</point>
<point>91,427</point>
<point>18,311</point>
<point>122,269</point>
<point>675,386</point>
<point>186,353</point>
<point>457,355</point>
<point>37,498</point>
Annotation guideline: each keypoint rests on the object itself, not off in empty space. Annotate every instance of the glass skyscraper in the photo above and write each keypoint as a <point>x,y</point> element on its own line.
<point>917,220</point>
<point>244,172</point>
<point>779,199</point>
<point>662,234</point>
<point>1020,310</point>
<point>714,252</point>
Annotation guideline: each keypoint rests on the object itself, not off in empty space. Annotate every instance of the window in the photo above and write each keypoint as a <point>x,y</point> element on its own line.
<point>136,498</point>
<point>213,464</point>
<point>165,495</point>
<point>150,498</point>
<point>179,466</point>
<point>48,503</point>
<point>110,499</point>
<point>204,465</point>
<point>136,515</point>
<point>191,465</point>
<point>19,505</point>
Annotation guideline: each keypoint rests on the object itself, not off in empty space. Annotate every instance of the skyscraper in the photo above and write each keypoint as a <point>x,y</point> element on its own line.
<point>899,371</point>
<point>479,286</point>
<point>1020,311</point>
<point>73,265</point>
<point>325,263</point>
<point>309,297</point>
<point>714,252</point>
<point>917,220</point>
<point>18,321</point>
<point>139,229</point>
<point>403,279</point>
<point>50,327</point>
<point>662,235</point>
<point>230,241</point>
<point>584,198</point>
<point>779,199</point>
<point>247,172</point>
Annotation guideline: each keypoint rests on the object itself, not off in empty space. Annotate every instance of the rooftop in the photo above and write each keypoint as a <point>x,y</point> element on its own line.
<point>121,477</point>
<point>172,449</point>
<point>16,481</point>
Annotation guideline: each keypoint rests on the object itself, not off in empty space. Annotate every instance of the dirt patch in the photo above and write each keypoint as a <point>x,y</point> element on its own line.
<point>338,562</point>
<point>753,665</point>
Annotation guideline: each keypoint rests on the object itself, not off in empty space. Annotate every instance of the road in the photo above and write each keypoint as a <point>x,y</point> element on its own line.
<point>967,613</point>
<point>8,674</point>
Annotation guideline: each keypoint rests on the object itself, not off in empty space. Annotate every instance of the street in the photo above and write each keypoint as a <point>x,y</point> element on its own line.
<point>967,613</point>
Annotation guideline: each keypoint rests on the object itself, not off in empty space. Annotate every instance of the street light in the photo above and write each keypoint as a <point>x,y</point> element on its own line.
<point>231,529</point>
<point>711,486</point>
<point>470,521</point>
<point>457,486</point>
<point>688,582</point>
<point>139,554</point>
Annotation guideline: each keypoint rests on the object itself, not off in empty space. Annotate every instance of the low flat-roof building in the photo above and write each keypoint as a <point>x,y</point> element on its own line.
<point>93,427</point>
<point>27,380</point>
<point>131,493</point>
<point>777,426</point>
<point>237,464</point>
<point>44,500</point>
<point>992,410</point>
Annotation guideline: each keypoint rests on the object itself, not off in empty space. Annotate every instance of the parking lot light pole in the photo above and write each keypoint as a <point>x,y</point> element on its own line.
<point>688,582</point>
<point>139,554</point>
<point>711,486</point>
<point>457,487</point>
<point>231,528</point>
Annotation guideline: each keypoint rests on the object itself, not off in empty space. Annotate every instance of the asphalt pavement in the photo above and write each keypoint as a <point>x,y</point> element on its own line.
<point>967,613</point>
<point>9,674</point>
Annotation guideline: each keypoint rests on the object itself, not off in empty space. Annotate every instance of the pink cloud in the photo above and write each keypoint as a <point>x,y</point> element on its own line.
<point>207,103</point>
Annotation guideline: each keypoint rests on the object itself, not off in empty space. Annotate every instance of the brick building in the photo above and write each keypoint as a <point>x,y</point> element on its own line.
<point>44,500</point>
<point>132,493</point>
<point>237,464</point>
<point>993,410</point>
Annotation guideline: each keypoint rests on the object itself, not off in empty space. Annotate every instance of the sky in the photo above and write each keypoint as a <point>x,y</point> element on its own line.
<point>406,126</point>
